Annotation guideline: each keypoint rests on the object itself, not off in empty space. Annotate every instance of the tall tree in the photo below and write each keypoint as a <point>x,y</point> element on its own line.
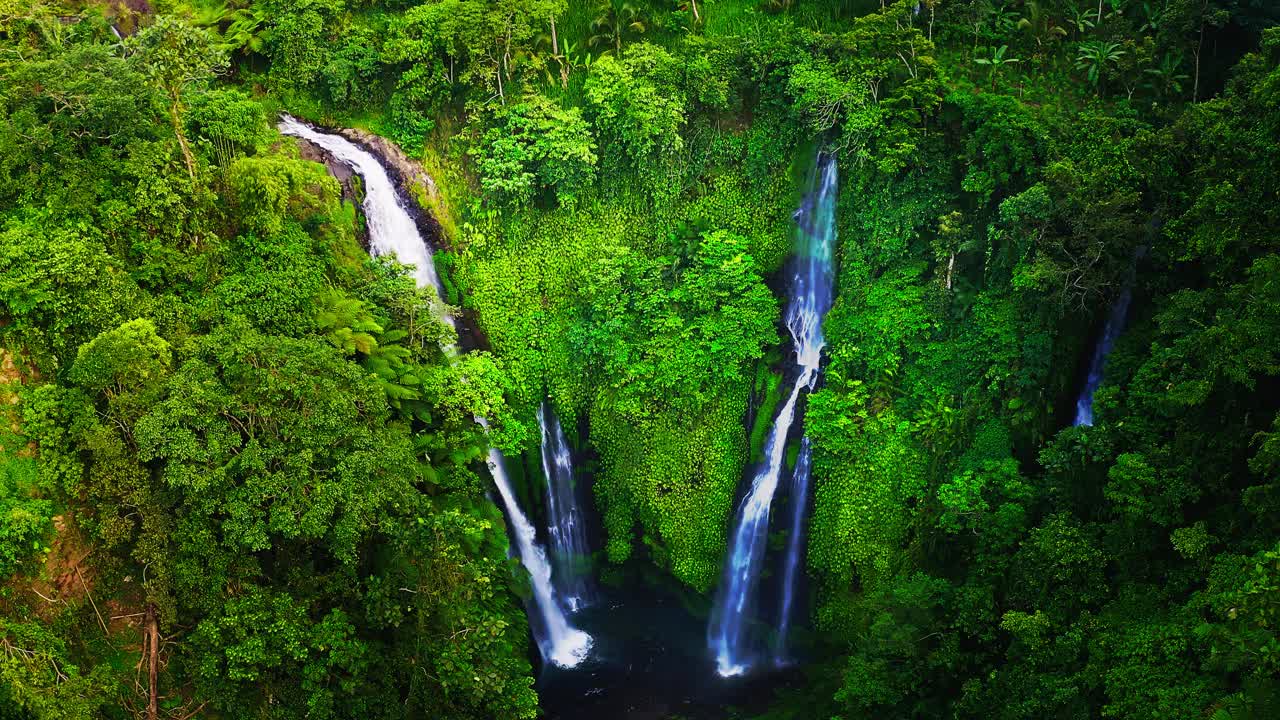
<point>178,57</point>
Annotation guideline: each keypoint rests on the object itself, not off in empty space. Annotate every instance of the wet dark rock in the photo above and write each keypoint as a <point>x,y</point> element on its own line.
<point>346,177</point>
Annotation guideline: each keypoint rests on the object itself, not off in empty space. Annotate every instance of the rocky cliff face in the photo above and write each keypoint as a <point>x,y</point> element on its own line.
<point>414,182</point>
<point>352,192</point>
<point>409,172</point>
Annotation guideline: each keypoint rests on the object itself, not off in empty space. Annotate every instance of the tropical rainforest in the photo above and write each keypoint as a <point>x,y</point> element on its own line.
<point>241,474</point>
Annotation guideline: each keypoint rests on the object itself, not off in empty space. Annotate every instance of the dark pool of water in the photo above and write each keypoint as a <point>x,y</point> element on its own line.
<point>650,662</point>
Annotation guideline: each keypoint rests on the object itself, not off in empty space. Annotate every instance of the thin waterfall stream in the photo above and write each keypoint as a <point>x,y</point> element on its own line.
<point>393,231</point>
<point>1098,361</point>
<point>559,642</point>
<point>566,526</point>
<point>729,634</point>
<point>1117,319</point>
<point>794,557</point>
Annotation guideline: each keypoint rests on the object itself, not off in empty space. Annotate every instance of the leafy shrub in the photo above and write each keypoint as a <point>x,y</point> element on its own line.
<point>534,147</point>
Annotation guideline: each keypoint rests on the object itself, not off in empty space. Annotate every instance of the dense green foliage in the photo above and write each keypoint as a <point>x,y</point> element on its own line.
<point>246,420</point>
<point>222,423</point>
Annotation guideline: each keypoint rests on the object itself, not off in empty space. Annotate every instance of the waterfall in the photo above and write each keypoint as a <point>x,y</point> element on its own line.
<point>393,230</point>
<point>795,547</point>
<point>569,553</point>
<point>811,293</point>
<point>559,642</point>
<point>1110,332</point>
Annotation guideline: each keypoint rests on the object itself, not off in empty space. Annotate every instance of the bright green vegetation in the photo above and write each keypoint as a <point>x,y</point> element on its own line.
<point>235,429</point>
<point>244,424</point>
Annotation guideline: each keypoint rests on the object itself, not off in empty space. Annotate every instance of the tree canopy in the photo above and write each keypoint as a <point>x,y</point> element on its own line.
<point>240,471</point>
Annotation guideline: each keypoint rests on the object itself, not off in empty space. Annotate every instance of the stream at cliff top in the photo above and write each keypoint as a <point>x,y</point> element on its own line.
<point>392,231</point>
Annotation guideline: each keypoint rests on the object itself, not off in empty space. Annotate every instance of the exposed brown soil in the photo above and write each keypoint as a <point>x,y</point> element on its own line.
<point>11,377</point>
<point>66,577</point>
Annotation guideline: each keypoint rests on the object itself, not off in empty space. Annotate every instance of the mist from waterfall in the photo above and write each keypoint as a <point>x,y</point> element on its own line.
<point>729,634</point>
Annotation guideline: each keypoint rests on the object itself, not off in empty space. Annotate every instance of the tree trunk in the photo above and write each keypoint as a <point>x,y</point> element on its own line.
<point>555,52</point>
<point>696,17</point>
<point>152,644</point>
<point>1195,91</point>
<point>175,115</point>
<point>506,57</point>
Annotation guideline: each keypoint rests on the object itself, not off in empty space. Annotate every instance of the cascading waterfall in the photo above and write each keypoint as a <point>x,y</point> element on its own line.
<point>559,642</point>
<point>566,529</point>
<point>811,293</point>
<point>1097,364</point>
<point>393,230</point>
<point>793,559</point>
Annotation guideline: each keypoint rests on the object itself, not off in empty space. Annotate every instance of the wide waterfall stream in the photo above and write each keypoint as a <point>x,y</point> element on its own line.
<point>393,231</point>
<point>731,633</point>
